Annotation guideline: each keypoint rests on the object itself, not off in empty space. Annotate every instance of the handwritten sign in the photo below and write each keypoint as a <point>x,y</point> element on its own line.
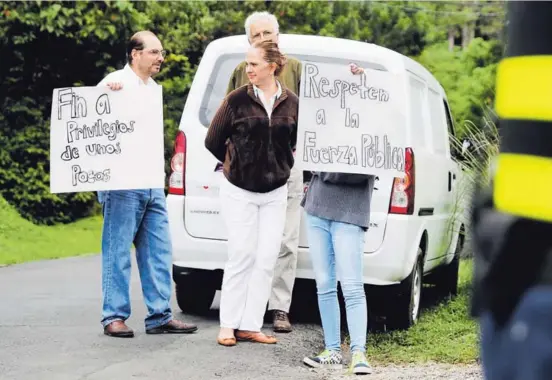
<point>350,123</point>
<point>106,140</point>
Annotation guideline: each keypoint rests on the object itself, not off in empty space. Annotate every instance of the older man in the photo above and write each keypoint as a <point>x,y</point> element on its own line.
<point>140,217</point>
<point>264,26</point>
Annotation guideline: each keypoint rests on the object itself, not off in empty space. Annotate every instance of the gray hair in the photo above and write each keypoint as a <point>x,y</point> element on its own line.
<point>257,16</point>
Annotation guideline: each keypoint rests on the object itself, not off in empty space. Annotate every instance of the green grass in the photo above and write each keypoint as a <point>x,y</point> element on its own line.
<point>22,241</point>
<point>445,333</point>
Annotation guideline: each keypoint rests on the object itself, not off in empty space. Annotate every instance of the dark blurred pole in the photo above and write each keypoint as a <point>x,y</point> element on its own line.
<point>512,230</point>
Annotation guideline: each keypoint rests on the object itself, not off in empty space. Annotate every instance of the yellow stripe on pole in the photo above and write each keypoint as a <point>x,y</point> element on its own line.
<point>523,186</point>
<point>524,88</point>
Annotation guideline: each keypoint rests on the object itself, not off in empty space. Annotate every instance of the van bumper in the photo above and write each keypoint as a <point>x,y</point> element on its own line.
<point>389,265</point>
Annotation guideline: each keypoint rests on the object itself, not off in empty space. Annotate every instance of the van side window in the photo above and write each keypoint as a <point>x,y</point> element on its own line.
<point>217,85</point>
<point>450,125</point>
<point>438,123</point>
<point>417,100</point>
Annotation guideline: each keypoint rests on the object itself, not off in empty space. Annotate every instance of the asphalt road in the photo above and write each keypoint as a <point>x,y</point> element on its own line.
<point>50,329</point>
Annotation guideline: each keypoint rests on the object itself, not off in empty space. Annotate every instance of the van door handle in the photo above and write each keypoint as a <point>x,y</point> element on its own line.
<point>451,177</point>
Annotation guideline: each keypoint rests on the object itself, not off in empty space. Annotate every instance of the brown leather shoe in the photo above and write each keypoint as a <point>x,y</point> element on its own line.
<point>257,337</point>
<point>173,327</point>
<point>228,342</point>
<point>280,322</point>
<point>118,329</point>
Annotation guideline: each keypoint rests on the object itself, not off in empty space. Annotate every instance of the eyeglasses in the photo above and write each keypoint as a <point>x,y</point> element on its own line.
<point>155,52</point>
<point>163,53</point>
<point>261,35</point>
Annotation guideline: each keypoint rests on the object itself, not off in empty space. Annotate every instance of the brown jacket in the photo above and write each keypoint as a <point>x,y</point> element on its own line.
<point>257,152</point>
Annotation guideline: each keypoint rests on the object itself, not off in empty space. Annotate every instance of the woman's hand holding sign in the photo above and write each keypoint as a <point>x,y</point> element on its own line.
<point>355,69</point>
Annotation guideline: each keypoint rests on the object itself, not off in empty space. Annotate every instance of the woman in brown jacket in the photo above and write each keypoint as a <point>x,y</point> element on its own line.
<point>254,134</point>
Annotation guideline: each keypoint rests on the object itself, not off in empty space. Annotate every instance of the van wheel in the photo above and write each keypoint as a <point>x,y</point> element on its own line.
<point>446,280</point>
<point>195,292</point>
<point>405,304</point>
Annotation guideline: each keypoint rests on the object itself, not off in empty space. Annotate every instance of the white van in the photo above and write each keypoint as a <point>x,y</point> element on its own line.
<point>415,227</point>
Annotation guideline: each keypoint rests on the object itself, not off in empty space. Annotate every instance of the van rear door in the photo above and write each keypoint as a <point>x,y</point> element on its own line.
<point>202,207</point>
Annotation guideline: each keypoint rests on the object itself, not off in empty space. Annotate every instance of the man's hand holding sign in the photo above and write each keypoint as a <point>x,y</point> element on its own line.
<point>350,123</point>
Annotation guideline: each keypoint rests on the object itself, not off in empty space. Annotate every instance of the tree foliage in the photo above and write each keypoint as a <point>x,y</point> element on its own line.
<point>468,77</point>
<point>47,45</point>
<point>44,46</point>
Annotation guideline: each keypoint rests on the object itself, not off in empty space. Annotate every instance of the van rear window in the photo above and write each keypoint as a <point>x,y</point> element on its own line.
<point>217,85</point>
<point>225,65</point>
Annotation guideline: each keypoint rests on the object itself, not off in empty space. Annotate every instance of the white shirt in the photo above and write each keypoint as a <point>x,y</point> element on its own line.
<point>127,77</point>
<point>270,104</point>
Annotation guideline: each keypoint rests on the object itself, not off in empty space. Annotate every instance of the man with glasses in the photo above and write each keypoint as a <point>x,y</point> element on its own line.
<point>140,217</point>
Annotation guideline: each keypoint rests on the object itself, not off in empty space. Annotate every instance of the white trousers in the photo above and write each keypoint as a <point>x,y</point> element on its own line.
<point>255,224</point>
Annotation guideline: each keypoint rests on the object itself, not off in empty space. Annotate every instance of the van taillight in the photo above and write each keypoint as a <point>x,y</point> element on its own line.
<point>402,193</point>
<point>178,166</point>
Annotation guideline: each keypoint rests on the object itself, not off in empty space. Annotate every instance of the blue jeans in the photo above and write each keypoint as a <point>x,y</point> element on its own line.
<point>522,348</point>
<point>139,217</point>
<point>337,249</point>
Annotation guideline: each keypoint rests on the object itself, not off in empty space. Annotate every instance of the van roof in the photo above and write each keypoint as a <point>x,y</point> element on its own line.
<point>309,44</point>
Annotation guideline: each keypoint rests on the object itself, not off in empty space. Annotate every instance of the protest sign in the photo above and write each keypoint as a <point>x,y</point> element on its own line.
<point>106,140</point>
<point>350,123</point>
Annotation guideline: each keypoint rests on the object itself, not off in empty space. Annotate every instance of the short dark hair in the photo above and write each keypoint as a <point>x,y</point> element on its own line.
<point>136,42</point>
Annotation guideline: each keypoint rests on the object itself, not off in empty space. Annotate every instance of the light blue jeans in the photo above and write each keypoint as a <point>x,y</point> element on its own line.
<point>336,251</point>
<point>139,217</point>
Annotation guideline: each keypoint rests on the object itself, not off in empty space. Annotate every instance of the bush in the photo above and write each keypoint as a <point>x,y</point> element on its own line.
<point>47,46</point>
<point>477,161</point>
